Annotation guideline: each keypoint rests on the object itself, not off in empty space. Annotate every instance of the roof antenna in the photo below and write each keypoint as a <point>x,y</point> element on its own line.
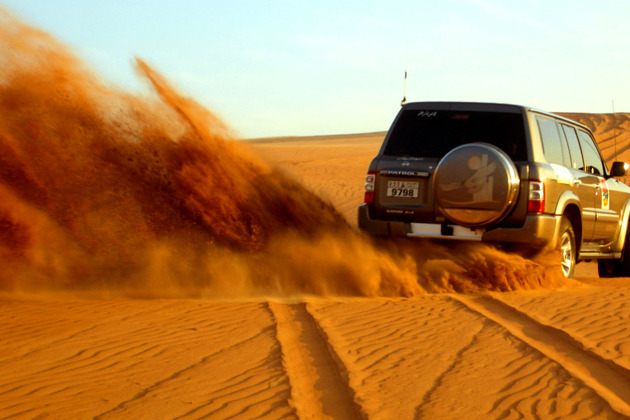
<point>404,99</point>
<point>614,128</point>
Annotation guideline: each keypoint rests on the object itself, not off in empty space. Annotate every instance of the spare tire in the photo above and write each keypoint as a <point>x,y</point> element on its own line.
<point>476,185</point>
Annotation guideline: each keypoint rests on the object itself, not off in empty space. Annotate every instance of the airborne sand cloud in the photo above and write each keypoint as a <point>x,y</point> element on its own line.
<point>101,189</point>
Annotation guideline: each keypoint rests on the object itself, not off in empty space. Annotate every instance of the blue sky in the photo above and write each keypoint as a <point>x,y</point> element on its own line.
<point>288,67</point>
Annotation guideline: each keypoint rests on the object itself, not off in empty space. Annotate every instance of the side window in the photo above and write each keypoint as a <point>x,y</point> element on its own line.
<point>592,160</point>
<point>575,151</point>
<point>552,143</point>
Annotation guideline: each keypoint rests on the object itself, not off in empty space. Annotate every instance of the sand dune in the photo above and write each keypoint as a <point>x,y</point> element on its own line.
<point>142,359</point>
<point>437,356</point>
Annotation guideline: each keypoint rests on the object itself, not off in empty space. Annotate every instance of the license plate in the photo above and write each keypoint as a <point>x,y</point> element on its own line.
<point>405,189</point>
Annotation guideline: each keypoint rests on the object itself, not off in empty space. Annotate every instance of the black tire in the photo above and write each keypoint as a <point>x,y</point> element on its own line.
<point>624,262</point>
<point>616,268</point>
<point>608,268</point>
<point>567,247</point>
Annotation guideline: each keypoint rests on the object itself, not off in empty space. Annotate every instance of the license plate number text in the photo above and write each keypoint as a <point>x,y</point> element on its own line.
<point>403,189</point>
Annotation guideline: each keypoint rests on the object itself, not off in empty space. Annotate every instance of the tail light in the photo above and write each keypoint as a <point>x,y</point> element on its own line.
<point>536,198</point>
<point>369,188</point>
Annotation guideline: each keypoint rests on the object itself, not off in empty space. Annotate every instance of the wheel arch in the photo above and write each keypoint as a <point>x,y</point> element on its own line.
<point>569,206</point>
<point>572,212</point>
<point>624,225</point>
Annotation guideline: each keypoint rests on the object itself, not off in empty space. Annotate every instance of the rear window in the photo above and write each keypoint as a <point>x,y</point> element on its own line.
<point>432,134</point>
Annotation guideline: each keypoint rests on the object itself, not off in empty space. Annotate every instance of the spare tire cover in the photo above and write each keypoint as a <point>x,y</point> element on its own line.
<point>476,185</point>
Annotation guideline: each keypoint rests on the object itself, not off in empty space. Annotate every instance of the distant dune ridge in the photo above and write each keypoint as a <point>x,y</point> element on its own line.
<point>612,132</point>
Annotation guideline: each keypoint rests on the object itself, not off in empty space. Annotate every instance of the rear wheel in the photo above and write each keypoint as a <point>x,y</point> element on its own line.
<point>567,248</point>
<point>608,268</point>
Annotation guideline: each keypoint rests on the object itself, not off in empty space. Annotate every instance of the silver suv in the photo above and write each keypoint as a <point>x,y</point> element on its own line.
<point>499,173</point>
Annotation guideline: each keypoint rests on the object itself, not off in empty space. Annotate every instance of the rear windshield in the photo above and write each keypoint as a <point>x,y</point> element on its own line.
<point>432,134</point>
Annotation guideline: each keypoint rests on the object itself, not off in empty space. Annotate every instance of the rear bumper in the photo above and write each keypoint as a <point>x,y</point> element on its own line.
<point>538,230</point>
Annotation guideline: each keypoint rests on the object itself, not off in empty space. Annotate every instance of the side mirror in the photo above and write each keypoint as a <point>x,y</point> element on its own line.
<point>619,169</point>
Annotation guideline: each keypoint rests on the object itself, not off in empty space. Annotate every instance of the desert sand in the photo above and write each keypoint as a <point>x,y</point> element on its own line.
<point>152,267</point>
<point>561,353</point>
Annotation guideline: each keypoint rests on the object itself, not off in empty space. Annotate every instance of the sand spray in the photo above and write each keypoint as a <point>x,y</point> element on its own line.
<point>104,190</point>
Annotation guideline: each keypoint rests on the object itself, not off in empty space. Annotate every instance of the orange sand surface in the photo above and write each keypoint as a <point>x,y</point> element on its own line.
<point>562,353</point>
<point>553,354</point>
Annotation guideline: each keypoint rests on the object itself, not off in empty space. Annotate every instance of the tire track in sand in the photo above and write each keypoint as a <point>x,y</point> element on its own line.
<point>319,380</point>
<point>608,379</point>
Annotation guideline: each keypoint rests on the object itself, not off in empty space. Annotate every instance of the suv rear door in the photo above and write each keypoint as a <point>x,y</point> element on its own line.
<point>586,183</point>
<point>607,216</point>
<point>561,147</point>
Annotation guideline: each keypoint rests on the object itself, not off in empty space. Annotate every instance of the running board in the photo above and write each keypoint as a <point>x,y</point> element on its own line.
<point>591,255</point>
